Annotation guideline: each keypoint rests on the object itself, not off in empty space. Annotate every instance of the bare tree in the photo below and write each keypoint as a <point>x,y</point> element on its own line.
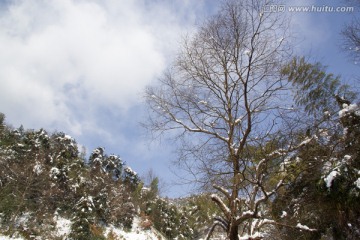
<point>224,99</point>
<point>351,35</point>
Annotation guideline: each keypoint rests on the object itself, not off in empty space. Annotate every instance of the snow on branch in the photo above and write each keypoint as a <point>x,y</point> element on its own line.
<point>305,142</point>
<point>259,165</point>
<point>221,205</point>
<point>244,216</point>
<point>330,178</point>
<point>223,191</point>
<point>304,227</point>
<point>299,226</point>
<point>259,223</point>
<point>255,236</point>
<point>197,128</point>
<point>282,152</point>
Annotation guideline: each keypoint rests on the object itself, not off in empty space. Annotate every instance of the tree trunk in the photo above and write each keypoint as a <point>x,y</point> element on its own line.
<point>233,233</point>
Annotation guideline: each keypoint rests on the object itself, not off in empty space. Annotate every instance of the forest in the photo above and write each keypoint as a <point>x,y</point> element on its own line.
<point>44,178</point>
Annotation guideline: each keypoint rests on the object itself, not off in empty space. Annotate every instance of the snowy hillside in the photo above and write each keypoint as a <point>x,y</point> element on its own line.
<point>63,229</point>
<point>136,233</point>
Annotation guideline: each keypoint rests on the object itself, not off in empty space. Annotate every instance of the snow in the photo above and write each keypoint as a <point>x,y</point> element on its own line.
<point>10,238</point>
<point>258,223</point>
<point>63,229</point>
<point>299,225</point>
<point>219,201</point>
<point>249,212</point>
<point>349,109</point>
<point>357,183</point>
<point>98,150</point>
<point>75,186</point>
<point>68,137</point>
<point>130,171</point>
<point>54,172</point>
<point>88,201</point>
<point>255,235</point>
<point>238,120</point>
<point>266,221</point>
<point>285,164</point>
<point>306,141</point>
<point>23,219</point>
<point>284,214</point>
<point>63,226</point>
<point>330,178</point>
<point>304,227</point>
<point>247,52</point>
<point>38,169</point>
<point>145,189</point>
<point>136,233</point>
<point>222,189</point>
<point>347,157</point>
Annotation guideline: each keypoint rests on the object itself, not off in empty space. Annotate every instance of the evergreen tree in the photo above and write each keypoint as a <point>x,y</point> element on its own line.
<point>41,169</point>
<point>322,189</point>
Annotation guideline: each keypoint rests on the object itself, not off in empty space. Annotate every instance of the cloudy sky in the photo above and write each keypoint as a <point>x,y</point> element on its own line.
<point>81,66</point>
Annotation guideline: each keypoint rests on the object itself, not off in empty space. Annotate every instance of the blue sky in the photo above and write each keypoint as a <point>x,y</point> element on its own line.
<point>81,66</point>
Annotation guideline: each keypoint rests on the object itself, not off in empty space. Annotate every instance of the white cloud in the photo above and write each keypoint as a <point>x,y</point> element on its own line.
<point>61,61</point>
